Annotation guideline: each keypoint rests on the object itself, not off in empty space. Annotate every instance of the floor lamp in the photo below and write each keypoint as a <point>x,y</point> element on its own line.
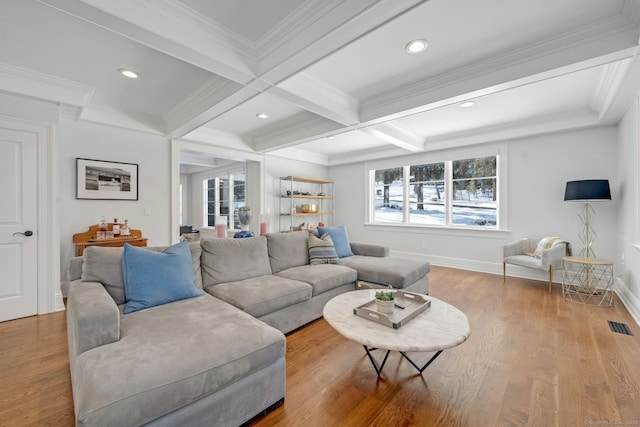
<point>587,190</point>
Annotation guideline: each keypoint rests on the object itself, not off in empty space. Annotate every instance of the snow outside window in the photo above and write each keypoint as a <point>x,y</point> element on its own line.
<point>459,193</point>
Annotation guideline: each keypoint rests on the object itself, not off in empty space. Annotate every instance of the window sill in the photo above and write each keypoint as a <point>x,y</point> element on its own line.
<point>489,233</point>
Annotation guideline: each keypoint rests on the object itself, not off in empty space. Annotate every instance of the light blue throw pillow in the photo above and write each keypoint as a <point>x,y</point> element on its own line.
<point>156,278</point>
<point>340,239</point>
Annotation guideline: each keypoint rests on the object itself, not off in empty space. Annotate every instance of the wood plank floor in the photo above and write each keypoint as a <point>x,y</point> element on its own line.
<point>533,359</point>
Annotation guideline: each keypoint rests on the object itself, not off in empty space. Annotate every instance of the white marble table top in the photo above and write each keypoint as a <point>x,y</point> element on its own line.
<point>439,327</point>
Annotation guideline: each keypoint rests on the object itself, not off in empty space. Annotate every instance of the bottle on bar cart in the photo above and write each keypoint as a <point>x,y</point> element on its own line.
<point>116,228</point>
<point>124,230</point>
<point>102,229</point>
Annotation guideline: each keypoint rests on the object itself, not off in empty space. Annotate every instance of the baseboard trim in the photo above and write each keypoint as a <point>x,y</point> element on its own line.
<point>479,266</point>
<point>630,301</point>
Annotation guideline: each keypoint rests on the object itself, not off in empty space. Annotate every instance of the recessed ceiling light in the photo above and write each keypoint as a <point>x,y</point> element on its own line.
<point>467,104</point>
<point>128,73</point>
<point>415,46</point>
<point>332,137</point>
<point>262,116</point>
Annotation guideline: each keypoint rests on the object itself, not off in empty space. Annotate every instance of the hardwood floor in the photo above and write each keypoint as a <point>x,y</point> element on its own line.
<point>532,359</point>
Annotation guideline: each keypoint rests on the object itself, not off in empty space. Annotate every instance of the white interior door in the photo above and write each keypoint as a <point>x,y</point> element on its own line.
<point>18,221</point>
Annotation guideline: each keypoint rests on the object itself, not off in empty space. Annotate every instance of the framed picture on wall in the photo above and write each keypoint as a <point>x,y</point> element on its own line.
<point>102,180</point>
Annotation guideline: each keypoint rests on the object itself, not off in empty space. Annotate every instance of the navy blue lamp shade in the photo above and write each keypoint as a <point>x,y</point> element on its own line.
<point>588,189</point>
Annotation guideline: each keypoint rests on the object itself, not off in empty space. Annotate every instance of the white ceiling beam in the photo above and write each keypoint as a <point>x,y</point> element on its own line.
<point>397,135</point>
<point>219,103</point>
<point>319,98</point>
<point>299,130</point>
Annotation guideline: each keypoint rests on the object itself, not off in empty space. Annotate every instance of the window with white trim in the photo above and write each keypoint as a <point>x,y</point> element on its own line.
<point>461,192</point>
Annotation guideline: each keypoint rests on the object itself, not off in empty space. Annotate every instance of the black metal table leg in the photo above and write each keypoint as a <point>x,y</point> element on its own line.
<point>416,366</point>
<point>373,362</point>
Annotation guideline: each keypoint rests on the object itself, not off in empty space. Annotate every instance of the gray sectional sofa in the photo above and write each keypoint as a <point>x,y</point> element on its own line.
<point>214,359</point>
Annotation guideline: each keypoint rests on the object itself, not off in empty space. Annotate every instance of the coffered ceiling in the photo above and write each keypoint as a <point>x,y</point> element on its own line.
<point>327,68</point>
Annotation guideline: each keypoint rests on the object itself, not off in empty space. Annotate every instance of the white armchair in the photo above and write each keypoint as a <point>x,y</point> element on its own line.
<point>549,259</point>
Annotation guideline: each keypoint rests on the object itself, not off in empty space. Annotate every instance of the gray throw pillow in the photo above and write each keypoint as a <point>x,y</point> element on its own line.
<point>321,250</point>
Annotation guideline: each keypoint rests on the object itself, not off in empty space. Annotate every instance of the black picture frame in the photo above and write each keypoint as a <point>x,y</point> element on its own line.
<point>105,180</point>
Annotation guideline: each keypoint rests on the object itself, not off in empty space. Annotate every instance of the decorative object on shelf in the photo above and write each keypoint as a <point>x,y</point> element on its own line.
<point>244,217</point>
<point>309,208</point>
<point>101,180</point>
<point>586,191</point>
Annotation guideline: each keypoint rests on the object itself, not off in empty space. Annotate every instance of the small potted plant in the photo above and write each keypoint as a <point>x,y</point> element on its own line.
<point>385,300</point>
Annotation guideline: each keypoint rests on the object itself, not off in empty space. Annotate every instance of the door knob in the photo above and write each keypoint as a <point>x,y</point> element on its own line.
<point>27,233</point>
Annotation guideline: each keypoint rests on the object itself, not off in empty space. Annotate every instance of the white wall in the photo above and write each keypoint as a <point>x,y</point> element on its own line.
<point>628,238</point>
<point>94,141</point>
<point>538,168</point>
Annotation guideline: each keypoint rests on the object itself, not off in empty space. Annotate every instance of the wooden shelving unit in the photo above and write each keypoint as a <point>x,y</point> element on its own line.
<point>295,191</point>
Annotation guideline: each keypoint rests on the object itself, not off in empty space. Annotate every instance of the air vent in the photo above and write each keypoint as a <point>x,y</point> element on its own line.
<point>619,328</point>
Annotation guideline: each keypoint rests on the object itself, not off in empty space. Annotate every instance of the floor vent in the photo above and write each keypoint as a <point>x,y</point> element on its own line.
<point>618,327</point>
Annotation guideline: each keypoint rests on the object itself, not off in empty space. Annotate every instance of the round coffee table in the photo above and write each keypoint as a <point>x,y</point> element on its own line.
<point>438,328</point>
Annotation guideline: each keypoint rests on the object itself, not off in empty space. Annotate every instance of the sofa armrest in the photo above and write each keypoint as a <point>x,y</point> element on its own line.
<point>553,256</point>
<point>369,249</point>
<point>93,318</point>
<point>74,268</point>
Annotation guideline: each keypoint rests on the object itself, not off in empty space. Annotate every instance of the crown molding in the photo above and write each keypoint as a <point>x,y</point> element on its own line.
<point>291,153</point>
<point>105,115</point>
<point>610,82</point>
<point>631,11</point>
<point>521,66</point>
<point>515,130</point>
<point>30,83</point>
<point>297,132</point>
<point>215,137</point>
<point>366,155</point>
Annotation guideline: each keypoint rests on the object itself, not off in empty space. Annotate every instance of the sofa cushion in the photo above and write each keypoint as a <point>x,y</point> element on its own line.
<point>104,265</point>
<point>230,260</point>
<point>154,278</point>
<point>288,250</point>
<point>397,272</point>
<point>321,277</point>
<point>168,357</point>
<point>262,295</point>
<point>340,239</point>
<point>321,250</point>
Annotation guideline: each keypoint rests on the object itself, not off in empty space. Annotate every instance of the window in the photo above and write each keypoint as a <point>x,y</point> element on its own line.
<point>451,193</point>
<point>223,196</point>
<point>388,198</point>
